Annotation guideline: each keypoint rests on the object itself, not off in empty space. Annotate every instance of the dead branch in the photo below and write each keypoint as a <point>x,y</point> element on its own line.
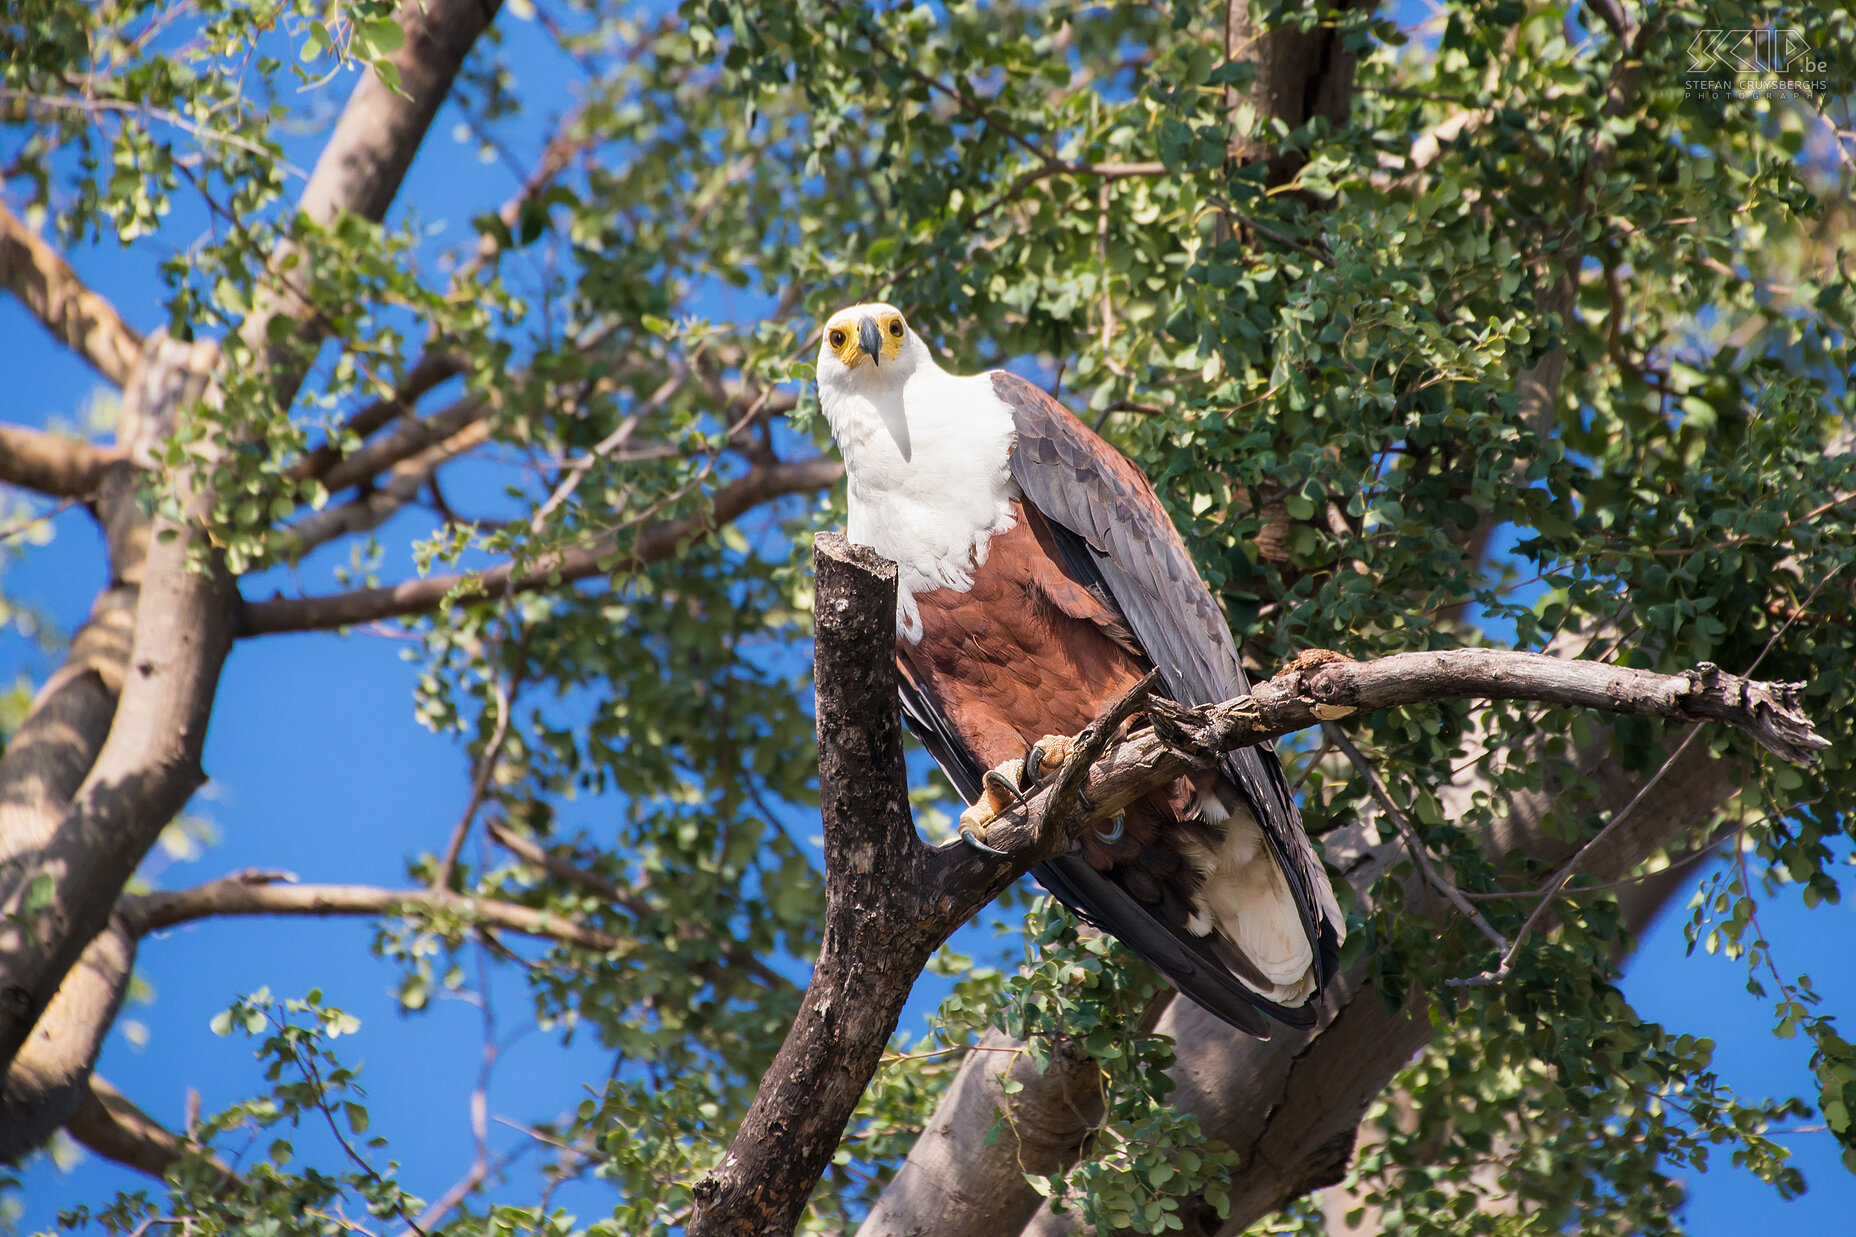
<point>1769,713</point>
<point>83,321</point>
<point>653,543</point>
<point>874,943</point>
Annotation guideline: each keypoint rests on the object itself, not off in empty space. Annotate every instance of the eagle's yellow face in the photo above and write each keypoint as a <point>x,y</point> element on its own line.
<point>872,334</point>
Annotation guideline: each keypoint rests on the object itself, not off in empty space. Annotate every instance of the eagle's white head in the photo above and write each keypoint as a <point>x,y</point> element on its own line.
<point>868,350</point>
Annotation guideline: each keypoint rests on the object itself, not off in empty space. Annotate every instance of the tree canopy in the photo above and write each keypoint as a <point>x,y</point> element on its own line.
<point>1514,324</point>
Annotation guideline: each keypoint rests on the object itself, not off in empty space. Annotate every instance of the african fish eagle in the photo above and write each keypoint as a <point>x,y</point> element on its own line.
<point>1038,579</point>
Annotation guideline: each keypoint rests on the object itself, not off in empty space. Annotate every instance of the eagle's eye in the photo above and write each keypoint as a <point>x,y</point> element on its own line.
<point>895,327</point>
<point>837,339</point>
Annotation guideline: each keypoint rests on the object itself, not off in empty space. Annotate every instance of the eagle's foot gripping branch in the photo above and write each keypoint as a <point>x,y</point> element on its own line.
<point>1005,786</point>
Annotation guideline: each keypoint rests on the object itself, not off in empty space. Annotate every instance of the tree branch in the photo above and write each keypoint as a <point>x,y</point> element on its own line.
<point>53,464</point>
<point>109,1124</point>
<point>1769,713</point>
<point>377,506</point>
<point>361,168</point>
<point>1048,1116</point>
<point>260,893</point>
<point>83,321</point>
<point>653,543</point>
<point>875,942</point>
<point>48,1080</point>
<point>432,370</point>
<point>408,440</point>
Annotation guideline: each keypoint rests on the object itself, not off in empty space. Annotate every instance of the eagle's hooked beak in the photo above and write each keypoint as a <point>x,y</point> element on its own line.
<point>870,340</point>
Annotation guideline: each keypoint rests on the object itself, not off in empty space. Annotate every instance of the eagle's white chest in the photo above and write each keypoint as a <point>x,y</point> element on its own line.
<point>927,475</point>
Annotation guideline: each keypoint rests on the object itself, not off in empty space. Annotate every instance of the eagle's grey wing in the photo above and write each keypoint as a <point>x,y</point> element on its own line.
<point>1083,485</point>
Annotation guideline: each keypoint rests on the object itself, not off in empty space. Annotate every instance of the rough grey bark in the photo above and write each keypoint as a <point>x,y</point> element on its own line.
<point>1048,1119</point>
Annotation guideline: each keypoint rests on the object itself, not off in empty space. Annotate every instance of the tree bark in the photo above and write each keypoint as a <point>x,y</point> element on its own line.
<point>50,1078</point>
<point>944,1187</point>
<point>107,1123</point>
<point>83,321</point>
<point>51,463</point>
<point>870,954</point>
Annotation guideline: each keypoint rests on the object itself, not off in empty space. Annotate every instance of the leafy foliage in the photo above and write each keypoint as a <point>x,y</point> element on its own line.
<point>1328,376</point>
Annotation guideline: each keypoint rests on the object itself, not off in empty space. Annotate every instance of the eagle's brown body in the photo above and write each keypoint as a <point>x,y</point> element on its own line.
<point>1029,652</point>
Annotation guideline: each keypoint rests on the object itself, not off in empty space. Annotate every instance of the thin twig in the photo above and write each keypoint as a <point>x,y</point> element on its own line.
<point>14,530</point>
<point>153,113</point>
<point>1413,843</point>
<point>577,471</point>
<point>480,784</point>
<point>1567,871</point>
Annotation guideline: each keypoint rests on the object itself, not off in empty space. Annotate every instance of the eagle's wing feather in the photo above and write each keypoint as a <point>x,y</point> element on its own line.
<point>1082,485</point>
<point>1094,897</point>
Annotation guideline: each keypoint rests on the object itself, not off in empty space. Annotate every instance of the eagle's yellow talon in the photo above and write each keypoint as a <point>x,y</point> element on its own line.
<point>999,790</point>
<point>1046,756</point>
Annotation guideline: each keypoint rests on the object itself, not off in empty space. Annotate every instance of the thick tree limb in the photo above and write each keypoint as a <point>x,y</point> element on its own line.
<point>1272,1118</point>
<point>49,1079</point>
<point>891,900</point>
<point>654,542</point>
<point>268,894</point>
<point>1232,1084</point>
<point>361,168</point>
<point>83,321</point>
<point>1049,1115</point>
<point>108,1123</point>
<point>51,463</point>
<point>870,955</point>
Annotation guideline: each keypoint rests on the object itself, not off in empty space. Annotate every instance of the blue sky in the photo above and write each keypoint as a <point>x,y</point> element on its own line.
<point>319,767</point>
